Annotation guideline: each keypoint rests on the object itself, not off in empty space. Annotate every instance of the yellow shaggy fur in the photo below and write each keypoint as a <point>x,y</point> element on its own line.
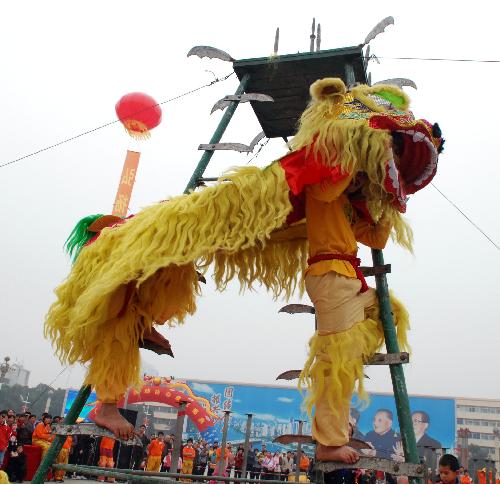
<point>340,358</point>
<point>155,251</point>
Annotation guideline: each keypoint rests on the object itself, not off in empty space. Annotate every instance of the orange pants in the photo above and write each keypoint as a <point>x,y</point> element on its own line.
<point>154,463</point>
<point>62,458</point>
<point>106,461</point>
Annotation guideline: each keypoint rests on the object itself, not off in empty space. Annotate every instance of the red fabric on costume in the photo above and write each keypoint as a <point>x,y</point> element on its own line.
<point>303,169</point>
<point>355,262</point>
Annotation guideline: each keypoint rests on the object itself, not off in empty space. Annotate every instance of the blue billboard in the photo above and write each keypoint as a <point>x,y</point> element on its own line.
<point>277,410</point>
<point>87,408</point>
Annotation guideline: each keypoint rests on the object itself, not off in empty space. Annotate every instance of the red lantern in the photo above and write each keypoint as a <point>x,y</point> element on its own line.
<point>139,113</point>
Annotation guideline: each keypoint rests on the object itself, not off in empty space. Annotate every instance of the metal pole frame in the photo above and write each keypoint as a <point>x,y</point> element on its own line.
<point>83,394</point>
<point>216,137</point>
<point>221,468</point>
<point>299,453</point>
<point>179,425</point>
<point>397,373</point>
<point>247,444</point>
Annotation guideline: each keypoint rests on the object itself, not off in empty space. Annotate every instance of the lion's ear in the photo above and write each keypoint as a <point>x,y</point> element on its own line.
<point>328,88</point>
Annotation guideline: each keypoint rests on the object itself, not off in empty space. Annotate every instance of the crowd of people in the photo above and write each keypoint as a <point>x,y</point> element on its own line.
<point>195,458</point>
<point>155,454</point>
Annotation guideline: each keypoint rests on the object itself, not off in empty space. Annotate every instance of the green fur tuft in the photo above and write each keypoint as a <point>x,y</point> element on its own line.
<point>79,236</point>
<point>397,101</point>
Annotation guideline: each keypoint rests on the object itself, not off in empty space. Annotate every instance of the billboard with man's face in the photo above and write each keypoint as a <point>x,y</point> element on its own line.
<point>277,410</point>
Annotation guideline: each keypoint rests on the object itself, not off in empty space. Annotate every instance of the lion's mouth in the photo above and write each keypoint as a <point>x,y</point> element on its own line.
<point>419,159</point>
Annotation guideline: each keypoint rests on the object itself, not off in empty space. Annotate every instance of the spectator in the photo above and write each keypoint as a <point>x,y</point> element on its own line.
<point>212,458</point>
<point>466,478</point>
<point>16,468</point>
<point>138,452</point>
<point>201,460</point>
<point>268,466</point>
<point>106,460</point>
<point>188,455</point>
<point>304,462</point>
<point>448,469</point>
<point>238,463</point>
<point>155,449</point>
<point>23,433</point>
<point>168,461</point>
<point>250,462</point>
<point>63,458</point>
<point>286,465</point>
<point>4,436</point>
<point>30,423</point>
<point>42,436</point>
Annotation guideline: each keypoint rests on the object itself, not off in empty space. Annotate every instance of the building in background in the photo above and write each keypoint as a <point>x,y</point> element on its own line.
<point>17,375</point>
<point>478,424</point>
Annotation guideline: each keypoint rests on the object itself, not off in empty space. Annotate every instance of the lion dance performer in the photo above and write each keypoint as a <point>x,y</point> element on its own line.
<point>356,156</point>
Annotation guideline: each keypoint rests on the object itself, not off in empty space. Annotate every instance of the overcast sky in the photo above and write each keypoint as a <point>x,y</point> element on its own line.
<point>65,64</point>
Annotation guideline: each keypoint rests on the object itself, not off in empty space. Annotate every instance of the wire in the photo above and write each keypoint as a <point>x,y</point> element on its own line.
<point>48,386</point>
<point>93,130</point>
<point>259,150</point>
<point>440,59</point>
<point>471,222</point>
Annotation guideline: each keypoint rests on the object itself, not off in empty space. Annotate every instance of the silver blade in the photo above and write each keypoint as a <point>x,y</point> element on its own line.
<point>297,308</point>
<point>378,29</point>
<point>210,52</point>
<point>398,81</point>
<point>91,429</point>
<point>243,98</point>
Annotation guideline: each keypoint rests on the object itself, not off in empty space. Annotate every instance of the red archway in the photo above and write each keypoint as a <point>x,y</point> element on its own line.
<point>172,396</point>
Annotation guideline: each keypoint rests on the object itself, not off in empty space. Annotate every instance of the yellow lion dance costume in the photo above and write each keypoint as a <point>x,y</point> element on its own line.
<point>356,156</point>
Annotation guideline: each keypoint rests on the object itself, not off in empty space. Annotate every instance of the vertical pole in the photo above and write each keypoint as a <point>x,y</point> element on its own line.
<point>59,440</point>
<point>350,78</point>
<point>221,469</point>
<point>207,155</point>
<point>247,445</point>
<point>179,425</point>
<point>397,373</point>
<point>299,453</point>
<point>312,36</point>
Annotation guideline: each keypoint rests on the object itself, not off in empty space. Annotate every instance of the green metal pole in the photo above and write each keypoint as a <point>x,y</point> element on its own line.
<point>397,374</point>
<point>224,122</point>
<point>59,440</point>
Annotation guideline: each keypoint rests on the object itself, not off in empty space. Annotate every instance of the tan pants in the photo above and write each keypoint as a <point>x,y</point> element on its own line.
<point>340,308</point>
<point>337,301</point>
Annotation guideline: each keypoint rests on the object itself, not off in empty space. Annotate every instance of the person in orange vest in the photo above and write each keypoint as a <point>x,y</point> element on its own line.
<point>63,458</point>
<point>188,455</point>
<point>481,475</point>
<point>155,451</point>
<point>106,456</point>
<point>42,435</point>
<point>465,478</point>
<point>304,462</point>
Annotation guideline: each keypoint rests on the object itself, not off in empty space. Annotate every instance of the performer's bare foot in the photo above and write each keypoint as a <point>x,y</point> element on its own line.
<point>109,417</point>
<point>342,453</point>
<point>154,341</point>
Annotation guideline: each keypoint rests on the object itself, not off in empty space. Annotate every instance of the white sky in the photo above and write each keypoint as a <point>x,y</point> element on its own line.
<point>65,64</point>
